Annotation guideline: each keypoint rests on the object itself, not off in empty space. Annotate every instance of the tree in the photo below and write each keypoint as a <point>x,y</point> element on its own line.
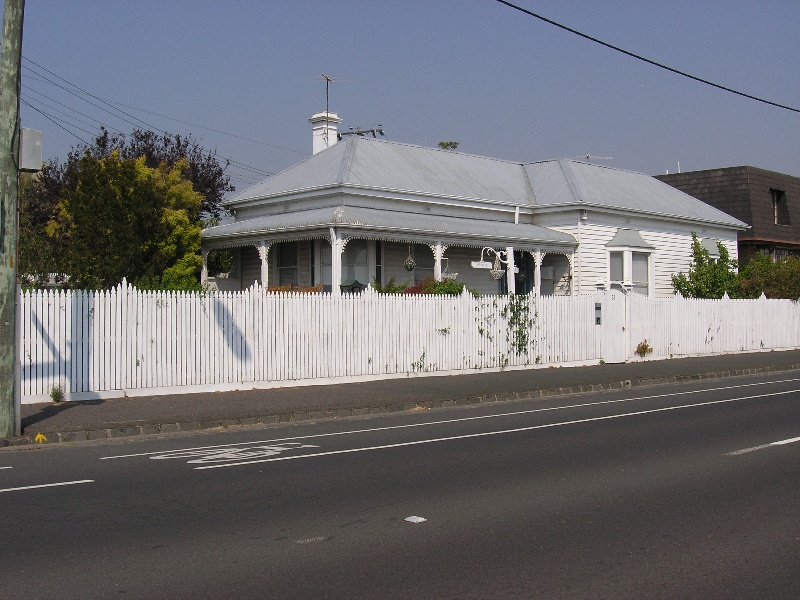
<point>773,279</point>
<point>123,219</point>
<point>707,278</point>
<point>448,145</point>
<point>206,172</point>
<point>39,254</point>
<point>59,222</point>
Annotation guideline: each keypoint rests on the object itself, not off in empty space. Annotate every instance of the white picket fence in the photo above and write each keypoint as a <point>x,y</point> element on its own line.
<point>126,342</point>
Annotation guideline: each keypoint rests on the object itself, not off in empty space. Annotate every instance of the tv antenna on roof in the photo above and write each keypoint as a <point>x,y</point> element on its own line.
<point>328,82</point>
<point>593,157</point>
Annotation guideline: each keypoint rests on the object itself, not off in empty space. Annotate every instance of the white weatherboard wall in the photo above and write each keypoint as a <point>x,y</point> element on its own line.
<point>672,243</point>
<point>127,342</point>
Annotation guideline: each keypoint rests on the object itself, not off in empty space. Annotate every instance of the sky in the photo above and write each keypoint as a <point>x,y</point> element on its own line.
<point>243,77</point>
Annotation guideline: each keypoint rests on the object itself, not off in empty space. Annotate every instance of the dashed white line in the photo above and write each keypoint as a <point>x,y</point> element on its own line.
<point>497,432</point>
<point>463,419</point>
<point>763,446</point>
<point>45,485</point>
<point>1,468</point>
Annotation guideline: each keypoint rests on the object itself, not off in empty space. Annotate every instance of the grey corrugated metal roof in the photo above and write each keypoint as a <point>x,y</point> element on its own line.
<point>386,223</point>
<point>564,182</point>
<point>383,165</point>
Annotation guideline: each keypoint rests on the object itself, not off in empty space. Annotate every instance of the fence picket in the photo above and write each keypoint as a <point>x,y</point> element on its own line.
<point>125,338</point>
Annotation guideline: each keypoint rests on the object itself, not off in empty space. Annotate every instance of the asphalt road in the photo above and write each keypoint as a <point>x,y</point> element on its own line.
<point>679,491</point>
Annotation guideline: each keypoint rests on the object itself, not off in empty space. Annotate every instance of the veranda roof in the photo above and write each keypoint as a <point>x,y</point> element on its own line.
<point>389,225</point>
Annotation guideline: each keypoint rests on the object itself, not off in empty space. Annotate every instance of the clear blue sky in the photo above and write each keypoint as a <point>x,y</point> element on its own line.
<point>501,83</point>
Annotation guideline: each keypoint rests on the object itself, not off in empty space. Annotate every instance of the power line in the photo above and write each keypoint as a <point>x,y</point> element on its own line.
<point>41,103</point>
<point>146,125</point>
<point>54,121</point>
<point>647,60</point>
<point>233,135</point>
<point>111,103</point>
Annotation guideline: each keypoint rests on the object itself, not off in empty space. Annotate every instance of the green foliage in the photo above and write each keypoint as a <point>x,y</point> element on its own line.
<point>106,222</point>
<point>204,169</point>
<point>122,208</point>
<point>390,287</point>
<point>431,286</point>
<point>57,393</point>
<point>220,261</point>
<point>517,312</point>
<point>643,349</point>
<point>774,279</point>
<point>39,255</point>
<point>707,278</point>
<point>448,145</point>
<point>123,219</point>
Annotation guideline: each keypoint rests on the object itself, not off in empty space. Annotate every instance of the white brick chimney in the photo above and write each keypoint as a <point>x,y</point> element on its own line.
<point>323,127</point>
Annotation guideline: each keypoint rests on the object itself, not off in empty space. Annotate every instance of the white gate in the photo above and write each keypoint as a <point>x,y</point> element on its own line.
<point>610,317</point>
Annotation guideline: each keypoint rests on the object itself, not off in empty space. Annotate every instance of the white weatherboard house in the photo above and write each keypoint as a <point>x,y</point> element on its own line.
<point>364,210</point>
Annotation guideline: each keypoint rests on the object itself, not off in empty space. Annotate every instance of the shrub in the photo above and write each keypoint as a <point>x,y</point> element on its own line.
<point>449,287</point>
<point>390,287</point>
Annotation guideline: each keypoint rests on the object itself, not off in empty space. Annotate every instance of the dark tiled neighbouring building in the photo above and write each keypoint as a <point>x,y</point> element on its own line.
<point>767,201</point>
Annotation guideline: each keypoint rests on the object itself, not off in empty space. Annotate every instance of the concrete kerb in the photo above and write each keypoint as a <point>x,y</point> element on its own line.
<point>316,415</point>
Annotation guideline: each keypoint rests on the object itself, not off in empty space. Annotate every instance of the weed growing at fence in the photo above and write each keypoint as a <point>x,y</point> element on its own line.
<point>57,393</point>
<point>419,365</point>
<point>643,349</point>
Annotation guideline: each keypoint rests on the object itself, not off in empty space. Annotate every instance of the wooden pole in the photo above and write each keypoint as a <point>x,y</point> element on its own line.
<point>10,57</point>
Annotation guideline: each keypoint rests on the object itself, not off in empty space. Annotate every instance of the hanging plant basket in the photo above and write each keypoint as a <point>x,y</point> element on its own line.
<point>410,263</point>
<point>496,272</point>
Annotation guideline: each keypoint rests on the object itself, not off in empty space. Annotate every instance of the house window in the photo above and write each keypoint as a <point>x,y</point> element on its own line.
<point>629,262</point>
<point>379,262</point>
<point>781,253</point>
<point>640,272</point>
<point>616,269</point>
<point>354,262</point>
<point>425,263</point>
<point>629,270</point>
<point>780,208</point>
<point>287,264</point>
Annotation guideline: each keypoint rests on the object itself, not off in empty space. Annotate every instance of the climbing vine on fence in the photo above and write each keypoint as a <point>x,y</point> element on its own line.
<point>517,312</point>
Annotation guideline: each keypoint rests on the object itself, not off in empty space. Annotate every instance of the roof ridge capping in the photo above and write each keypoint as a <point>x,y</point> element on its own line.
<point>440,150</point>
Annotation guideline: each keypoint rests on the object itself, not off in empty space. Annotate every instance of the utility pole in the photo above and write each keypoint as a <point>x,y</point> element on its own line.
<point>10,57</point>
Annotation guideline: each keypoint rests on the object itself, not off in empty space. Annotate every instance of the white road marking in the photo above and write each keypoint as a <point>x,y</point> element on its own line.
<point>414,519</point>
<point>319,538</point>
<point>500,432</point>
<point>1,468</point>
<point>463,419</point>
<point>45,485</point>
<point>763,446</point>
<point>216,455</point>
